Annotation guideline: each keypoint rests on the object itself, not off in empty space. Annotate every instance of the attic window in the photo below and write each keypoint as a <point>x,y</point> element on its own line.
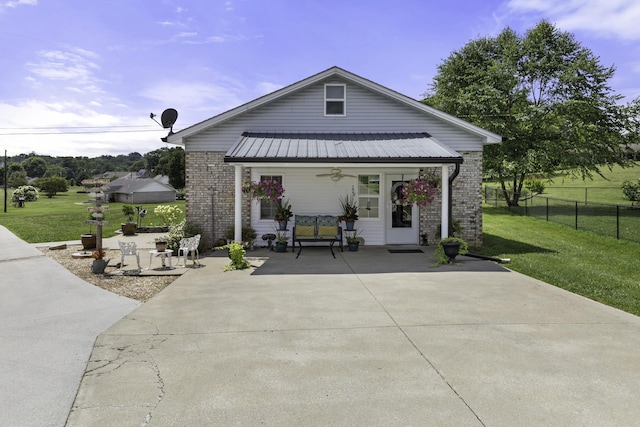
<point>335,99</point>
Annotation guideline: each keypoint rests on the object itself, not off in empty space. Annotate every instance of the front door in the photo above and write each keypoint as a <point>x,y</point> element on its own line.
<point>401,221</point>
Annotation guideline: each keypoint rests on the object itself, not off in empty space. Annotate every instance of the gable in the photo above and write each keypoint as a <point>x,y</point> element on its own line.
<point>300,108</point>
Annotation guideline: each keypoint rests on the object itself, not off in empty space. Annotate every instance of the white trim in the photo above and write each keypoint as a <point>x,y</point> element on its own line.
<point>444,228</point>
<point>237,232</point>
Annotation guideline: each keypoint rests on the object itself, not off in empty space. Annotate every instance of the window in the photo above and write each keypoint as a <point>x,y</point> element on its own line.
<point>335,99</point>
<point>267,207</point>
<point>368,196</point>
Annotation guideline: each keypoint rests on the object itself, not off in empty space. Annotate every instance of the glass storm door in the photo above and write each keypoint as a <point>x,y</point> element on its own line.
<point>401,220</point>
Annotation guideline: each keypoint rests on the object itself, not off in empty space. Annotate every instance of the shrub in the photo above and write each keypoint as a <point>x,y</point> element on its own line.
<point>236,253</point>
<point>29,193</point>
<point>169,214</point>
<point>179,231</point>
<point>53,185</point>
<point>534,185</point>
<point>631,191</point>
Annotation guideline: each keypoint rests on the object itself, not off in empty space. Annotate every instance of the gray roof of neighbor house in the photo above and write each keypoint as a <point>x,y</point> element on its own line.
<point>340,147</point>
<point>128,185</point>
<point>488,137</point>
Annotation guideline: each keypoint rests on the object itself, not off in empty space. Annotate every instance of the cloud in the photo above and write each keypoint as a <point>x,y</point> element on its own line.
<point>610,18</point>
<point>16,3</point>
<point>74,129</point>
<point>263,88</point>
<point>75,65</point>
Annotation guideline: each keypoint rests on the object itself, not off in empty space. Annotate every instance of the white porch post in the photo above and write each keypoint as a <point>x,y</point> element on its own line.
<point>444,228</point>
<point>237,235</point>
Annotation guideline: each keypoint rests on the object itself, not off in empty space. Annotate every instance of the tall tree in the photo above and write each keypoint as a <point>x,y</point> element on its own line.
<point>546,95</point>
<point>34,166</point>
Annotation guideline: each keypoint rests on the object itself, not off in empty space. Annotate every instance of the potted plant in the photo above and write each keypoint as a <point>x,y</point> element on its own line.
<point>128,228</point>
<point>99,263</point>
<point>448,248</point>
<point>420,191</point>
<point>349,209</point>
<point>282,240</point>
<point>283,213</point>
<point>161,244</point>
<point>353,242</point>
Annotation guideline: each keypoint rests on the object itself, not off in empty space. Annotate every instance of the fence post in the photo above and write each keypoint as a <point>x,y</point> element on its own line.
<point>547,199</point>
<point>586,195</point>
<point>576,215</point>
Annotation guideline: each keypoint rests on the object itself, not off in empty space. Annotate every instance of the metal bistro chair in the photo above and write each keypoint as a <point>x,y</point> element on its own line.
<point>190,244</point>
<point>128,248</point>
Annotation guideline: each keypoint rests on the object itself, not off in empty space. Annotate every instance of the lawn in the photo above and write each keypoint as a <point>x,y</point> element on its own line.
<point>597,267</point>
<point>62,217</point>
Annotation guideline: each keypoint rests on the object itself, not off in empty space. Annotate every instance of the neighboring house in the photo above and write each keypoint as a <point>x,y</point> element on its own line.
<point>329,135</point>
<point>139,190</point>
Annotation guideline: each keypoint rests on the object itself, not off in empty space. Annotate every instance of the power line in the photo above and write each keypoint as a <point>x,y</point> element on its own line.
<point>75,133</point>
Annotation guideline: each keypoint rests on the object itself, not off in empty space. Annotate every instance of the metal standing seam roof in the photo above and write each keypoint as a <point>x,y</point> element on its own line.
<point>253,147</point>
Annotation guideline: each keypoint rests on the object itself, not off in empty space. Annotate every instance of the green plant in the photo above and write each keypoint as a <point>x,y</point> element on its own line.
<point>353,237</point>
<point>349,208</point>
<point>534,185</point>
<point>29,192</point>
<point>631,190</point>
<point>441,257</point>
<point>283,210</point>
<point>128,211</point>
<point>168,213</point>
<point>281,236</point>
<point>456,228</point>
<point>236,253</point>
<point>179,231</point>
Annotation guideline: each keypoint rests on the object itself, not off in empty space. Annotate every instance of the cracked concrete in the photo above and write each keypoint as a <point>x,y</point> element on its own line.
<point>433,347</point>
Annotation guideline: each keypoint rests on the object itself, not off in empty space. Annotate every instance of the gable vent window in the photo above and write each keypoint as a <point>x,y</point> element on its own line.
<point>335,99</point>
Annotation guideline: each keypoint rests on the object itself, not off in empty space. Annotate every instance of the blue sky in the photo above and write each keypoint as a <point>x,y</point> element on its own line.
<point>80,78</point>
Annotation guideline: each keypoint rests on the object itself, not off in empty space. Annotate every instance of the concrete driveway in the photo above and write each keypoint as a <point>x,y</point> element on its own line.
<point>369,338</point>
<point>49,320</point>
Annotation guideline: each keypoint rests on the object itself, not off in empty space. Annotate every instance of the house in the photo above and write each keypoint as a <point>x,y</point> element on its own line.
<point>139,190</point>
<point>330,135</point>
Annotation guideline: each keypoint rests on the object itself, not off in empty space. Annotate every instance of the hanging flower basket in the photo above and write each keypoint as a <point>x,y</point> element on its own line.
<point>267,189</point>
<point>419,191</point>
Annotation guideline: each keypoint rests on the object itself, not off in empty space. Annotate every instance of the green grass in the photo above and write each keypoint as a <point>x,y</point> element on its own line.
<point>62,217</point>
<point>597,267</point>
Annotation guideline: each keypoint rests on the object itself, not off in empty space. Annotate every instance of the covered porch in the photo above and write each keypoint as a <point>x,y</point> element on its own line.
<point>317,169</point>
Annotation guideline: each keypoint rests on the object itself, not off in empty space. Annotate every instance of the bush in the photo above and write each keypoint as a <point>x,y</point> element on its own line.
<point>53,185</point>
<point>631,191</point>
<point>534,185</point>
<point>179,231</point>
<point>29,193</point>
<point>169,214</point>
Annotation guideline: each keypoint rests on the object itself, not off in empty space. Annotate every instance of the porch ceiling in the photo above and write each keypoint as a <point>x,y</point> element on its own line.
<point>390,148</point>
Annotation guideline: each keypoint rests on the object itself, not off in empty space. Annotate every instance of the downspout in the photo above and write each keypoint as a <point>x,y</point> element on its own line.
<point>453,176</point>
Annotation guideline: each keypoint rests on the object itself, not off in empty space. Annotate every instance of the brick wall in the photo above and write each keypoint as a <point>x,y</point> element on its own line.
<point>466,205</point>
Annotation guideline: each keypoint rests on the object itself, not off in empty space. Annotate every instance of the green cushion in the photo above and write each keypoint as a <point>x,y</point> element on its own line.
<point>305,230</point>
<point>327,231</point>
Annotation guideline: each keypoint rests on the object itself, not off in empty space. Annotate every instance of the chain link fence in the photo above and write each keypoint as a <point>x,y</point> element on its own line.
<point>618,221</point>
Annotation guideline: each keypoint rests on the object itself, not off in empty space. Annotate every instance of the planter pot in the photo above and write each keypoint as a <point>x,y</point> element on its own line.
<point>99,265</point>
<point>161,246</point>
<point>349,225</point>
<point>88,241</point>
<point>353,247</point>
<point>129,228</point>
<point>281,247</point>
<point>451,250</point>
<point>283,225</point>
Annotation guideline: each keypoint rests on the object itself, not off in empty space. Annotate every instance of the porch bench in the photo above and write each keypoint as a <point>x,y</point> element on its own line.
<point>317,228</point>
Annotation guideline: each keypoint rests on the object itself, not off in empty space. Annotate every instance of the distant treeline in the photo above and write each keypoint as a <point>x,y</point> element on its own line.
<point>163,161</point>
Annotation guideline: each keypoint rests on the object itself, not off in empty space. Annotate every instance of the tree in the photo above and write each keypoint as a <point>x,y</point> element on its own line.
<point>53,185</point>
<point>631,190</point>
<point>34,166</point>
<point>55,170</point>
<point>546,95</point>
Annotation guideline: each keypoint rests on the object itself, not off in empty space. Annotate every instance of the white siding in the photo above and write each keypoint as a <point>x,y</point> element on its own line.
<point>312,195</point>
<point>303,111</point>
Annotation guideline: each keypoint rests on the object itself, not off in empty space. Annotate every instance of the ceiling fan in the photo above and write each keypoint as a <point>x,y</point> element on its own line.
<point>336,174</point>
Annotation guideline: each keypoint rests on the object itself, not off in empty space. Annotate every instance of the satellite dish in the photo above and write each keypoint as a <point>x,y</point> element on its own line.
<point>168,118</point>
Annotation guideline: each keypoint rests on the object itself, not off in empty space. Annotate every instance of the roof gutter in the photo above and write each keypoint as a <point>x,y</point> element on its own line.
<point>453,176</point>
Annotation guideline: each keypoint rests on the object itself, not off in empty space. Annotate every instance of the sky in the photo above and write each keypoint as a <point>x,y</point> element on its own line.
<point>81,78</point>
